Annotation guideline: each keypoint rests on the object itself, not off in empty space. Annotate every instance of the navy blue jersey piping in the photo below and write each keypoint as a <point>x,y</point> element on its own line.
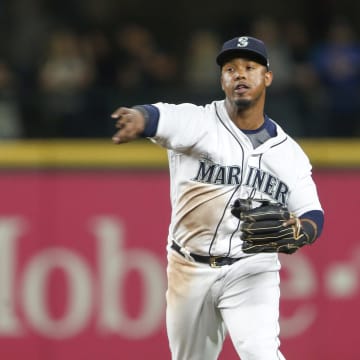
<point>234,192</point>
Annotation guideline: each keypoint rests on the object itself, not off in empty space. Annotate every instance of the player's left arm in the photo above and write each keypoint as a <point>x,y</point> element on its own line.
<point>304,201</point>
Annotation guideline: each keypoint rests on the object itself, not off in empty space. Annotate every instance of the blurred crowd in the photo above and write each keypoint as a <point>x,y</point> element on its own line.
<point>57,81</point>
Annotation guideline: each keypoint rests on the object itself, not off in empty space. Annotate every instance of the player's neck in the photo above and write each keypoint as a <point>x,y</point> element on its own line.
<point>246,119</point>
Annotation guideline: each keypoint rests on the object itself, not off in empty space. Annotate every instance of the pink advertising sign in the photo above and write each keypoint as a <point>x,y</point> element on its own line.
<point>82,269</point>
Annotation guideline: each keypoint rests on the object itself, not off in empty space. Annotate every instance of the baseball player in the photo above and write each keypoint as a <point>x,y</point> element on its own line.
<point>241,192</point>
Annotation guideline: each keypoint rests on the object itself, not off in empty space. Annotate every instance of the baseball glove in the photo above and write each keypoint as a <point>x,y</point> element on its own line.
<point>269,228</point>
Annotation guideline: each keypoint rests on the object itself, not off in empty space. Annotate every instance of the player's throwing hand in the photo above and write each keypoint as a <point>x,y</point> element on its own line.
<point>130,122</point>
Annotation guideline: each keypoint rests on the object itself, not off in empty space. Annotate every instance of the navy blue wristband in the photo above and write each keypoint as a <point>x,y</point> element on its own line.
<point>314,226</point>
<point>151,114</point>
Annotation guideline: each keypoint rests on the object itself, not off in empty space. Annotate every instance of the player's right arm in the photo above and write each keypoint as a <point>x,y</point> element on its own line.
<point>175,127</point>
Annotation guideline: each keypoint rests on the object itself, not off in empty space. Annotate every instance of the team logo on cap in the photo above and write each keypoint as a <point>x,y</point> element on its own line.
<point>243,41</point>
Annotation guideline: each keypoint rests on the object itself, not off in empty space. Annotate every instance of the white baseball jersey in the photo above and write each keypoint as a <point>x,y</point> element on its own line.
<point>212,163</point>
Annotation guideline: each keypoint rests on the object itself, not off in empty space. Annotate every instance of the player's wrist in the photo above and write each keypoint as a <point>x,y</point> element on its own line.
<point>309,228</point>
<point>150,116</point>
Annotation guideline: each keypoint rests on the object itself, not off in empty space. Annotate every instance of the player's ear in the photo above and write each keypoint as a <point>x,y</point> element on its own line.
<point>268,78</point>
<point>222,82</point>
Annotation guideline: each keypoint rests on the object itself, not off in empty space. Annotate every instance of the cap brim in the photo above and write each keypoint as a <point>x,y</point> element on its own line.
<point>248,54</point>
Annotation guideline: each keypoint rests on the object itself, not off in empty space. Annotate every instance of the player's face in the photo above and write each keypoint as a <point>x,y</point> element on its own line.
<point>244,81</point>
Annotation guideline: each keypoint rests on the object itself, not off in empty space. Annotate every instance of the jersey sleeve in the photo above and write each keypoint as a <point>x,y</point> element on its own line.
<point>303,196</point>
<point>180,126</point>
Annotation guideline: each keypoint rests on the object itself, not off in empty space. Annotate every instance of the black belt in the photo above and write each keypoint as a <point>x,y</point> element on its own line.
<point>213,261</point>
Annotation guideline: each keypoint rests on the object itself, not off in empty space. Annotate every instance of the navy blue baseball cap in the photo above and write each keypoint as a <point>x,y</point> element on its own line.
<point>244,45</point>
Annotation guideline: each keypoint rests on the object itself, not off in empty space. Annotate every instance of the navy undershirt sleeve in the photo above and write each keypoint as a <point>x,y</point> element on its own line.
<point>151,114</point>
<point>317,216</point>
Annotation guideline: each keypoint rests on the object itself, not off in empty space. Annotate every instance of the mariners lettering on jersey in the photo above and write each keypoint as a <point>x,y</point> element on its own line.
<point>257,179</point>
<point>267,184</point>
<point>211,173</point>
